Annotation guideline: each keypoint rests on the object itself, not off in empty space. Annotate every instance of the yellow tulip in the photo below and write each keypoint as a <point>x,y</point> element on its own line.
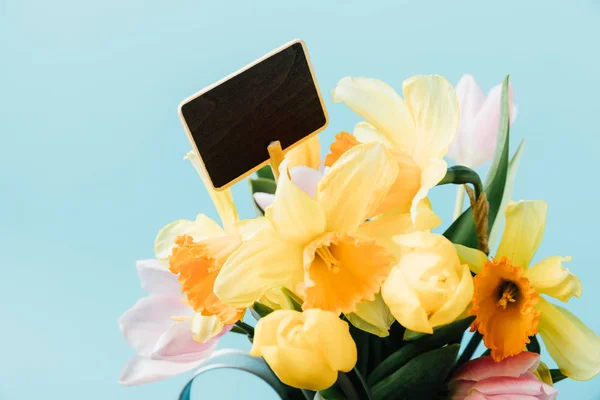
<point>429,286</point>
<point>313,246</point>
<point>418,130</point>
<point>508,304</point>
<point>305,350</point>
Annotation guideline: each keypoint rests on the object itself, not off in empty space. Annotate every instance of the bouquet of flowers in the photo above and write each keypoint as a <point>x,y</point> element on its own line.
<point>354,295</point>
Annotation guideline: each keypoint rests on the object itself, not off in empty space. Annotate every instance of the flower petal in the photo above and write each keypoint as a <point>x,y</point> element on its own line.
<point>515,388</point>
<point>144,323</point>
<point>373,317</point>
<point>574,346</point>
<point>432,102</point>
<point>177,344</point>
<point>525,224</point>
<point>457,303</point>
<point>157,279</point>
<point>485,367</point>
<point>295,216</point>
<point>355,186</point>
<point>208,327</point>
<point>142,369</point>
<point>307,153</point>
<point>381,106</point>
<point>263,200</point>
<point>431,175</point>
<point>202,228</point>
<point>365,133</point>
<point>472,257</point>
<point>551,278</point>
<point>306,179</point>
<point>261,263</point>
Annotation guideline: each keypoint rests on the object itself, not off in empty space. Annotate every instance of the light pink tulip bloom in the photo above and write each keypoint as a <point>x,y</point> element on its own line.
<point>305,178</point>
<point>475,140</point>
<point>509,379</point>
<point>164,345</point>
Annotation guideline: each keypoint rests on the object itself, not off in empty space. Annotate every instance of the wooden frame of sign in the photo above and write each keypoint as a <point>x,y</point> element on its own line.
<point>231,123</point>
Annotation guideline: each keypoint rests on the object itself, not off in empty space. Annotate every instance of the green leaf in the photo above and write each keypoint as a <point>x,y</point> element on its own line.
<point>533,345</point>
<point>462,231</point>
<point>266,172</point>
<point>557,376</point>
<point>441,336</point>
<point>263,185</point>
<point>421,378</point>
<point>293,301</point>
<point>259,310</point>
<point>513,165</point>
<point>237,359</point>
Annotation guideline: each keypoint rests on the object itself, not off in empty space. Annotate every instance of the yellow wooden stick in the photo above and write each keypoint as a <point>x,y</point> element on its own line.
<point>276,154</point>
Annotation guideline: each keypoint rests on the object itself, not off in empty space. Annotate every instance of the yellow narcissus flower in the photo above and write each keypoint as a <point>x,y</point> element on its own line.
<point>429,286</point>
<point>312,245</point>
<point>508,304</point>
<point>306,154</point>
<point>305,349</point>
<point>417,130</point>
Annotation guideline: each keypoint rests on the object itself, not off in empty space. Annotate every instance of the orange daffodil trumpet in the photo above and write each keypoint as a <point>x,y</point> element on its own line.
<point>508,301</point>
<point>312,246</point>
<point>417,130</point>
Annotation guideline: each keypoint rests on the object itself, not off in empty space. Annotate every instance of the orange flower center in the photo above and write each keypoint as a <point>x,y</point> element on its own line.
<point>340,271</point>
<point>343,142</point>
<point>504,304</point>
<point>198,270</point>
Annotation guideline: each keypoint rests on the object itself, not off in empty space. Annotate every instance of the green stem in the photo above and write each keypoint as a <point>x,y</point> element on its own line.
<point>458,205</point>
<point>461,175</point>
<point>249,329</point>
<point>470,349</point>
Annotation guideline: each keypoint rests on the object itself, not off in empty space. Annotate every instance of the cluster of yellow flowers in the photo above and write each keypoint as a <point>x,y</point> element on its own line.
<point>352,243</point>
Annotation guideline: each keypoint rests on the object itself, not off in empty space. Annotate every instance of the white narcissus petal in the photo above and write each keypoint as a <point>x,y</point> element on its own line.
<point>142,369</point>
<point>550,277</point>
<point>525,225</point>
<point>306,179</point>
<point>156,279</point>
<point>263,200</point>
<point>144,323</point>
<point>574,346</point>
<point>381,106</point>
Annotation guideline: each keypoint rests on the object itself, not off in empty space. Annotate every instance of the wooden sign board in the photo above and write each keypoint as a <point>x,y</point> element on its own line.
<point>231,123</point>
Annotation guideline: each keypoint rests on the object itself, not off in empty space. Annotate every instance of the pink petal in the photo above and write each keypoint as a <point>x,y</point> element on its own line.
<point>460,389</point>
<point>306,179</point>
<point>144,323</point>
<point>178,345</point>
<point>479,396</point>
<point>142,369</point>
<point>263,200</point>
<point>485,367</point>
<point>157,279</point>
<point>514,386</point>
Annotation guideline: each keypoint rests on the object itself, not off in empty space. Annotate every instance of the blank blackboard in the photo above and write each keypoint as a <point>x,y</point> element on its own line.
<point>232,122</point>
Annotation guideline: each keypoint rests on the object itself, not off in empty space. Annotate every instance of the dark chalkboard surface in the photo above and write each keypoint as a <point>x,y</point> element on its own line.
<point>232,122</point>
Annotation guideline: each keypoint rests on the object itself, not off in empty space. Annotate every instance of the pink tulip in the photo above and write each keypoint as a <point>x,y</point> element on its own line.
<point>509,379</point>
<point>164,346</point>
<point>477,133</point>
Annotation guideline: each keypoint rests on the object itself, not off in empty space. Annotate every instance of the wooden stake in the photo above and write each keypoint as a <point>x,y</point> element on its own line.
<point>276,154</point>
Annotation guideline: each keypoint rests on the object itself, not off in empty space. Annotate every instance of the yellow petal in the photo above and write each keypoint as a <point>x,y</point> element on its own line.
<point>381,106</point>
<point>525,224</point>
<point>474,258</point>
<point>431,175</point>
<point>365,132</point>
<point>296,217</point>
<point>574,346</point>
<point>404,303</point>
<point>205,328</point>
<point>249,227</point>
<point>543,373</point>
<point>202,228</point>
<point>407,184</point>
<point>222,200</point>
<point>551,278</point>
<point>355,186</point>
<point>261,263</point>
<point>456,304</point>
<point>433,104</point>
<point>373,317</point>
<point>267,329</point>
<point>307,153</point>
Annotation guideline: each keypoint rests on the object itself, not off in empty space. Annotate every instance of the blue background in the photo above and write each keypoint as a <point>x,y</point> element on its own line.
<point>91,152</point>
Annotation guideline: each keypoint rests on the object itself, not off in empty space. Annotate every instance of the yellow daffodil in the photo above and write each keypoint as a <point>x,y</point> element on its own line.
<point>196,250</point>
<point>306,154</point>
<point>508,304</point>
<point>305,350</point>
<point>312,245</point>
<point>429,286</point>
<point>417,130</point>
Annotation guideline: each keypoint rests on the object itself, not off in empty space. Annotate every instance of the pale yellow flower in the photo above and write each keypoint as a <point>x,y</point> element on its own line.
<point>418,130</point>
<point>305,350</point>
<point>307,153</point>
<point>508,302</point>
<point>429,286</point>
